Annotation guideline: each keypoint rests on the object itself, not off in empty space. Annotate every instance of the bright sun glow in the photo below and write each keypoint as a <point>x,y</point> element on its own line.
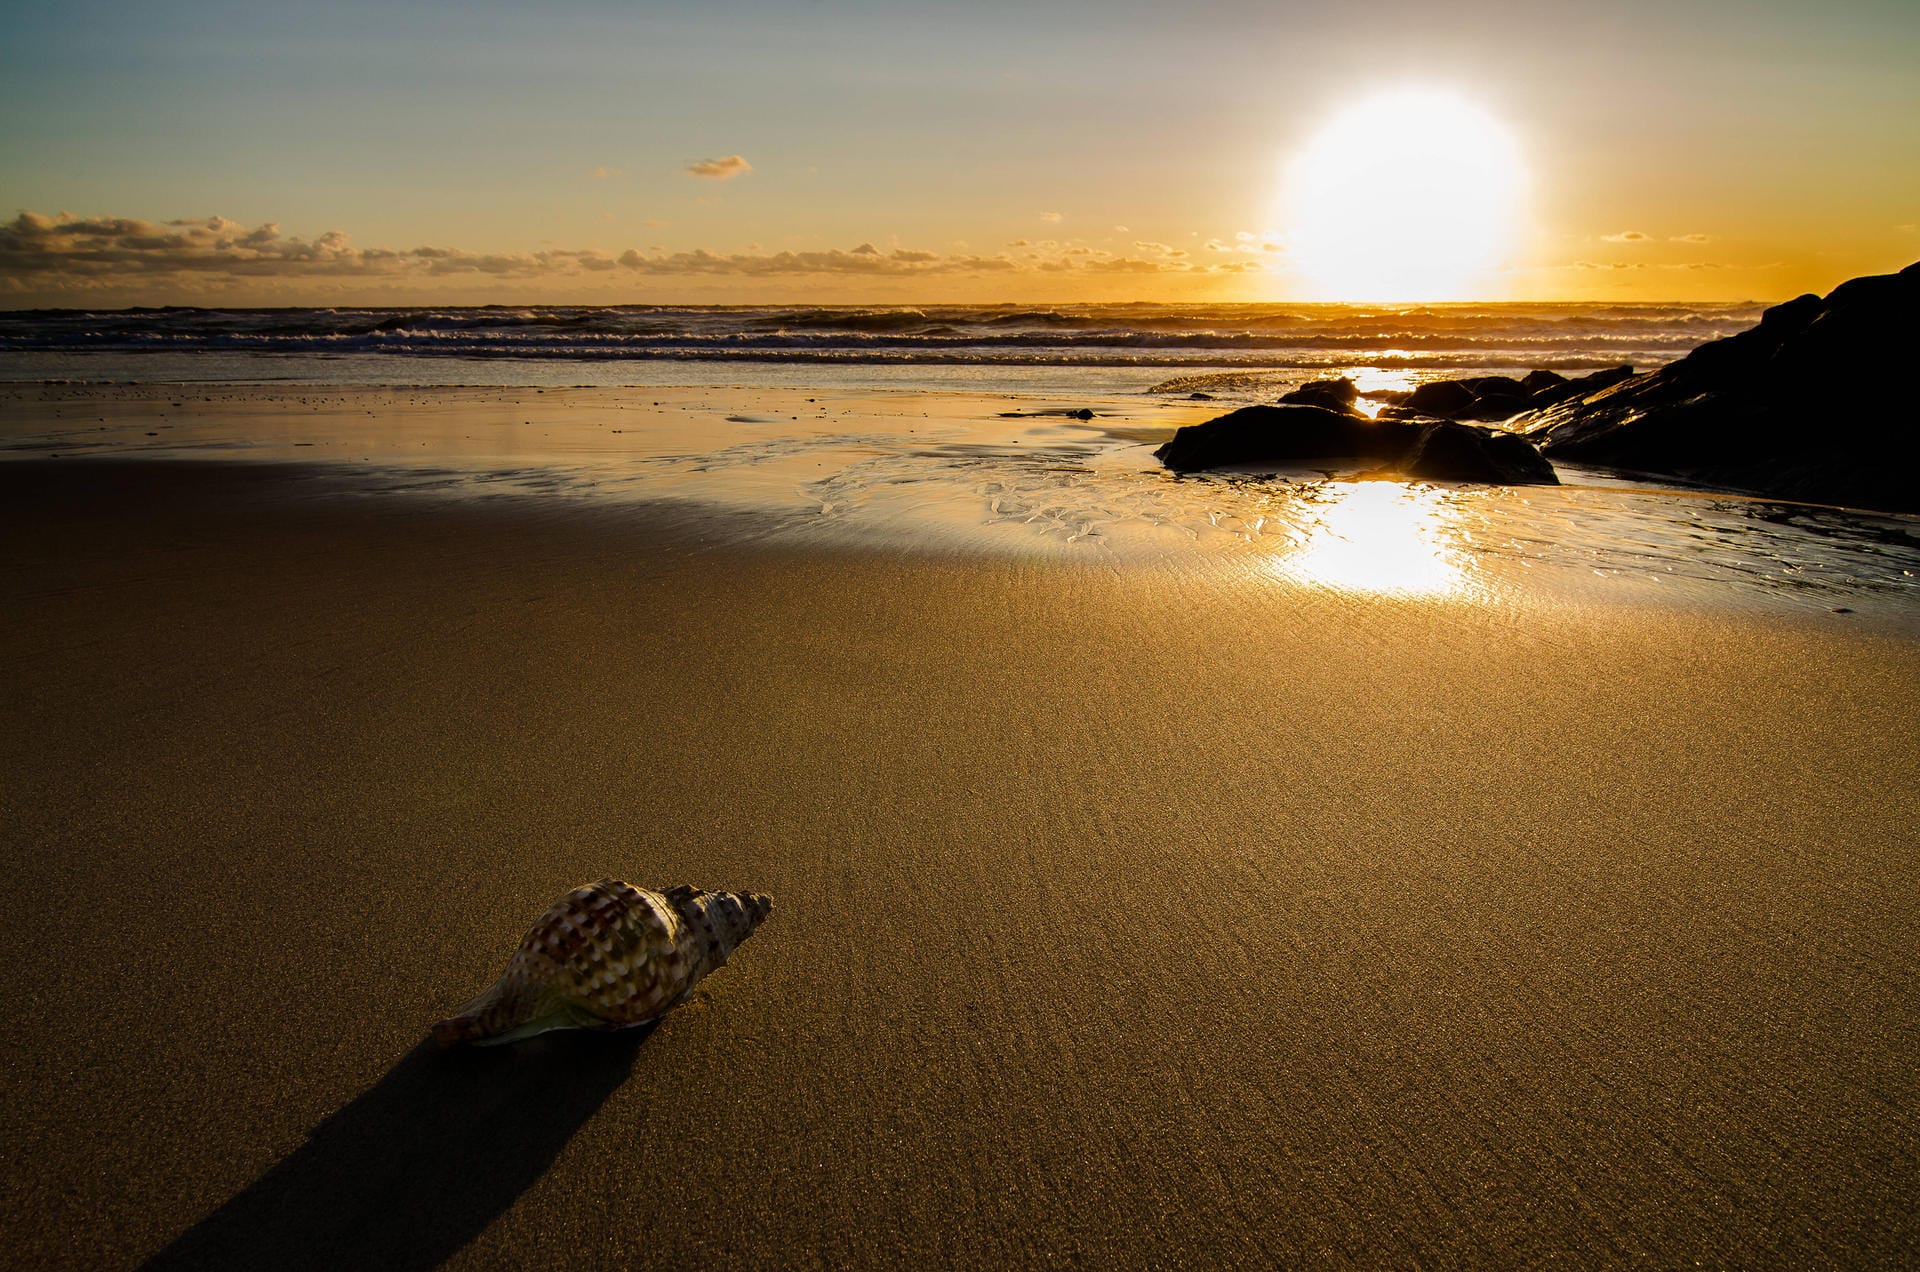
<point>1411,196</point>
<point>1379,536</point>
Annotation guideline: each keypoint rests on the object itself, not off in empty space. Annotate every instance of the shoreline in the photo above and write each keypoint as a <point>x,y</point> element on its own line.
<point>1118,913</point>
<point>996,474</point>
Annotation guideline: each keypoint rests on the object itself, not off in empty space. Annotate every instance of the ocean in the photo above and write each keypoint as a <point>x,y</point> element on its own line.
<point>959,425</point>
<point>1056,350</point>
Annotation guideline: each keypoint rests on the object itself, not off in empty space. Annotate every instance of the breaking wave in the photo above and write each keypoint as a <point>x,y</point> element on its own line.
<point>1568,337</point>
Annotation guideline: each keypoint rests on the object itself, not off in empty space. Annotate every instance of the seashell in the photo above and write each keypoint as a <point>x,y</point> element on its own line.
<point>607,956</point>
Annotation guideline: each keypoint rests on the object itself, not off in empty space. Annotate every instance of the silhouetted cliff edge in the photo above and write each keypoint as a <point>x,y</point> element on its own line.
<point>1814,403</point>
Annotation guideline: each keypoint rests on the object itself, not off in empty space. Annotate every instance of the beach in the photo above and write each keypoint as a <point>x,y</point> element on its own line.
<point>1131,905</point>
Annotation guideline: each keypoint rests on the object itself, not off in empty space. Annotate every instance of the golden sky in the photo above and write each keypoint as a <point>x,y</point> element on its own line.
<point>208,153</point>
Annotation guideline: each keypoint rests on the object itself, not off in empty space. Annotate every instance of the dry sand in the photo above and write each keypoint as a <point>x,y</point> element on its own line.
<point>1122,915</point>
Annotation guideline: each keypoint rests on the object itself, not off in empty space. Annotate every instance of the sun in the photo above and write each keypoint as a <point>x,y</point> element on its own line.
<point>1413,195</point>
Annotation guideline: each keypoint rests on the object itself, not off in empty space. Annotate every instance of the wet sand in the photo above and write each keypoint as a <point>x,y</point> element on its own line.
<point>1139,915</point>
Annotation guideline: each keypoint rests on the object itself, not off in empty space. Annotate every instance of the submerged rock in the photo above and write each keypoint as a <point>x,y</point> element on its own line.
<point>1780,409</point>
<point>1438,450</point>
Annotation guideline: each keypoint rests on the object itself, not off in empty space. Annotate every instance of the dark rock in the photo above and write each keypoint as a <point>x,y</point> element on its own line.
<point>1200,397</point>
<point>1487,397</point>
<point>1334,395</point>
<point>1437,450</point>
<point>1496,386</point>
<point>1082,414</point>
<point>1288,434</point>
<point>1783,408</point>
<point>1440,398</point>
<point>1495,397</point>
<point>1446,451</point>
<point>1551,394</point>
<point>1599,380</point>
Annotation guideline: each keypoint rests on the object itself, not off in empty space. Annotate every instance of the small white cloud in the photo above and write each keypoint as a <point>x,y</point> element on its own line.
<point>1624,236</point>
<point>1051,216</point>
<point>720,169</point>
<point>1691,238</point>
<point>602,173</point>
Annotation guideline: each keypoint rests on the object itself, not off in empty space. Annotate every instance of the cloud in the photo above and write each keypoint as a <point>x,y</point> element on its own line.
<point>65,253</point>
<point>865,259</point>
<point>1051,216</point>
<point>1682,265</point>
<point>122,249</point>
<point>1691,238</point>
<point>603,172</point>
<point>720,169</point>
<point>1624,236</point>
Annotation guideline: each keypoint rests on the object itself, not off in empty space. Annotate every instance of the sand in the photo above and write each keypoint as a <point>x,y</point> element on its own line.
<point>1122,915</point>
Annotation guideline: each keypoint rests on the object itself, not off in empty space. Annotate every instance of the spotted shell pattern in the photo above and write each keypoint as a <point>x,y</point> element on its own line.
<point>606,956</point>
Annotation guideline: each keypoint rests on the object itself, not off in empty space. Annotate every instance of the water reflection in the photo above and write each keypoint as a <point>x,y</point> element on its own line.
<point>1379,536</point>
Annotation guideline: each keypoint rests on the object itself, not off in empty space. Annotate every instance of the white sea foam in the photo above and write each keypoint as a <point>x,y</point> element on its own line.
<point>751,341</point>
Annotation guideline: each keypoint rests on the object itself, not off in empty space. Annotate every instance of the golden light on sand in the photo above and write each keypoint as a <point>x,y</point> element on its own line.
<point>1414,195</point>
<point>1380,537</point>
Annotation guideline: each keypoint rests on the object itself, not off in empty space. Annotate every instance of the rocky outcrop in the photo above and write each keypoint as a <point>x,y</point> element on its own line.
<point>1334,395</point>
<point>1288,434</point>
<point>1449,451</point>
<point>1494,398</point>
<point>1795,407</point>
<point>1308,436</point>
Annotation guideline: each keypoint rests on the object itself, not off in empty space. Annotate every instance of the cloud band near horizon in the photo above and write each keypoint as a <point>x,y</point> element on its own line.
<point>84,252</point>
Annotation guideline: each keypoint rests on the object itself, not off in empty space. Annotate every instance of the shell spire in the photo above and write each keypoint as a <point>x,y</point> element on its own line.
<point>608,956</point>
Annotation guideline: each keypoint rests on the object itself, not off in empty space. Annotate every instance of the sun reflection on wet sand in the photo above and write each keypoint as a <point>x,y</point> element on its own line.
<point>1379,537</point>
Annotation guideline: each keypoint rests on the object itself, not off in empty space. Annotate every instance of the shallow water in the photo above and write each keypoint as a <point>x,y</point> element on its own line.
<point>1009,474</point>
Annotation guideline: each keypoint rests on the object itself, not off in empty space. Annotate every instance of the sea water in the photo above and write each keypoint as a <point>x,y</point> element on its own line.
<point>950,421</point>
<point>976,348</point>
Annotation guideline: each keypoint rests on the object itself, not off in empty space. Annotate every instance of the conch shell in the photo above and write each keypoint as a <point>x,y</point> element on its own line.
<point>607,956</point>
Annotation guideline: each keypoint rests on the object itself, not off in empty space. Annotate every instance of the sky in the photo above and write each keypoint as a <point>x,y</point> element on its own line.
<point>815,151</point>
